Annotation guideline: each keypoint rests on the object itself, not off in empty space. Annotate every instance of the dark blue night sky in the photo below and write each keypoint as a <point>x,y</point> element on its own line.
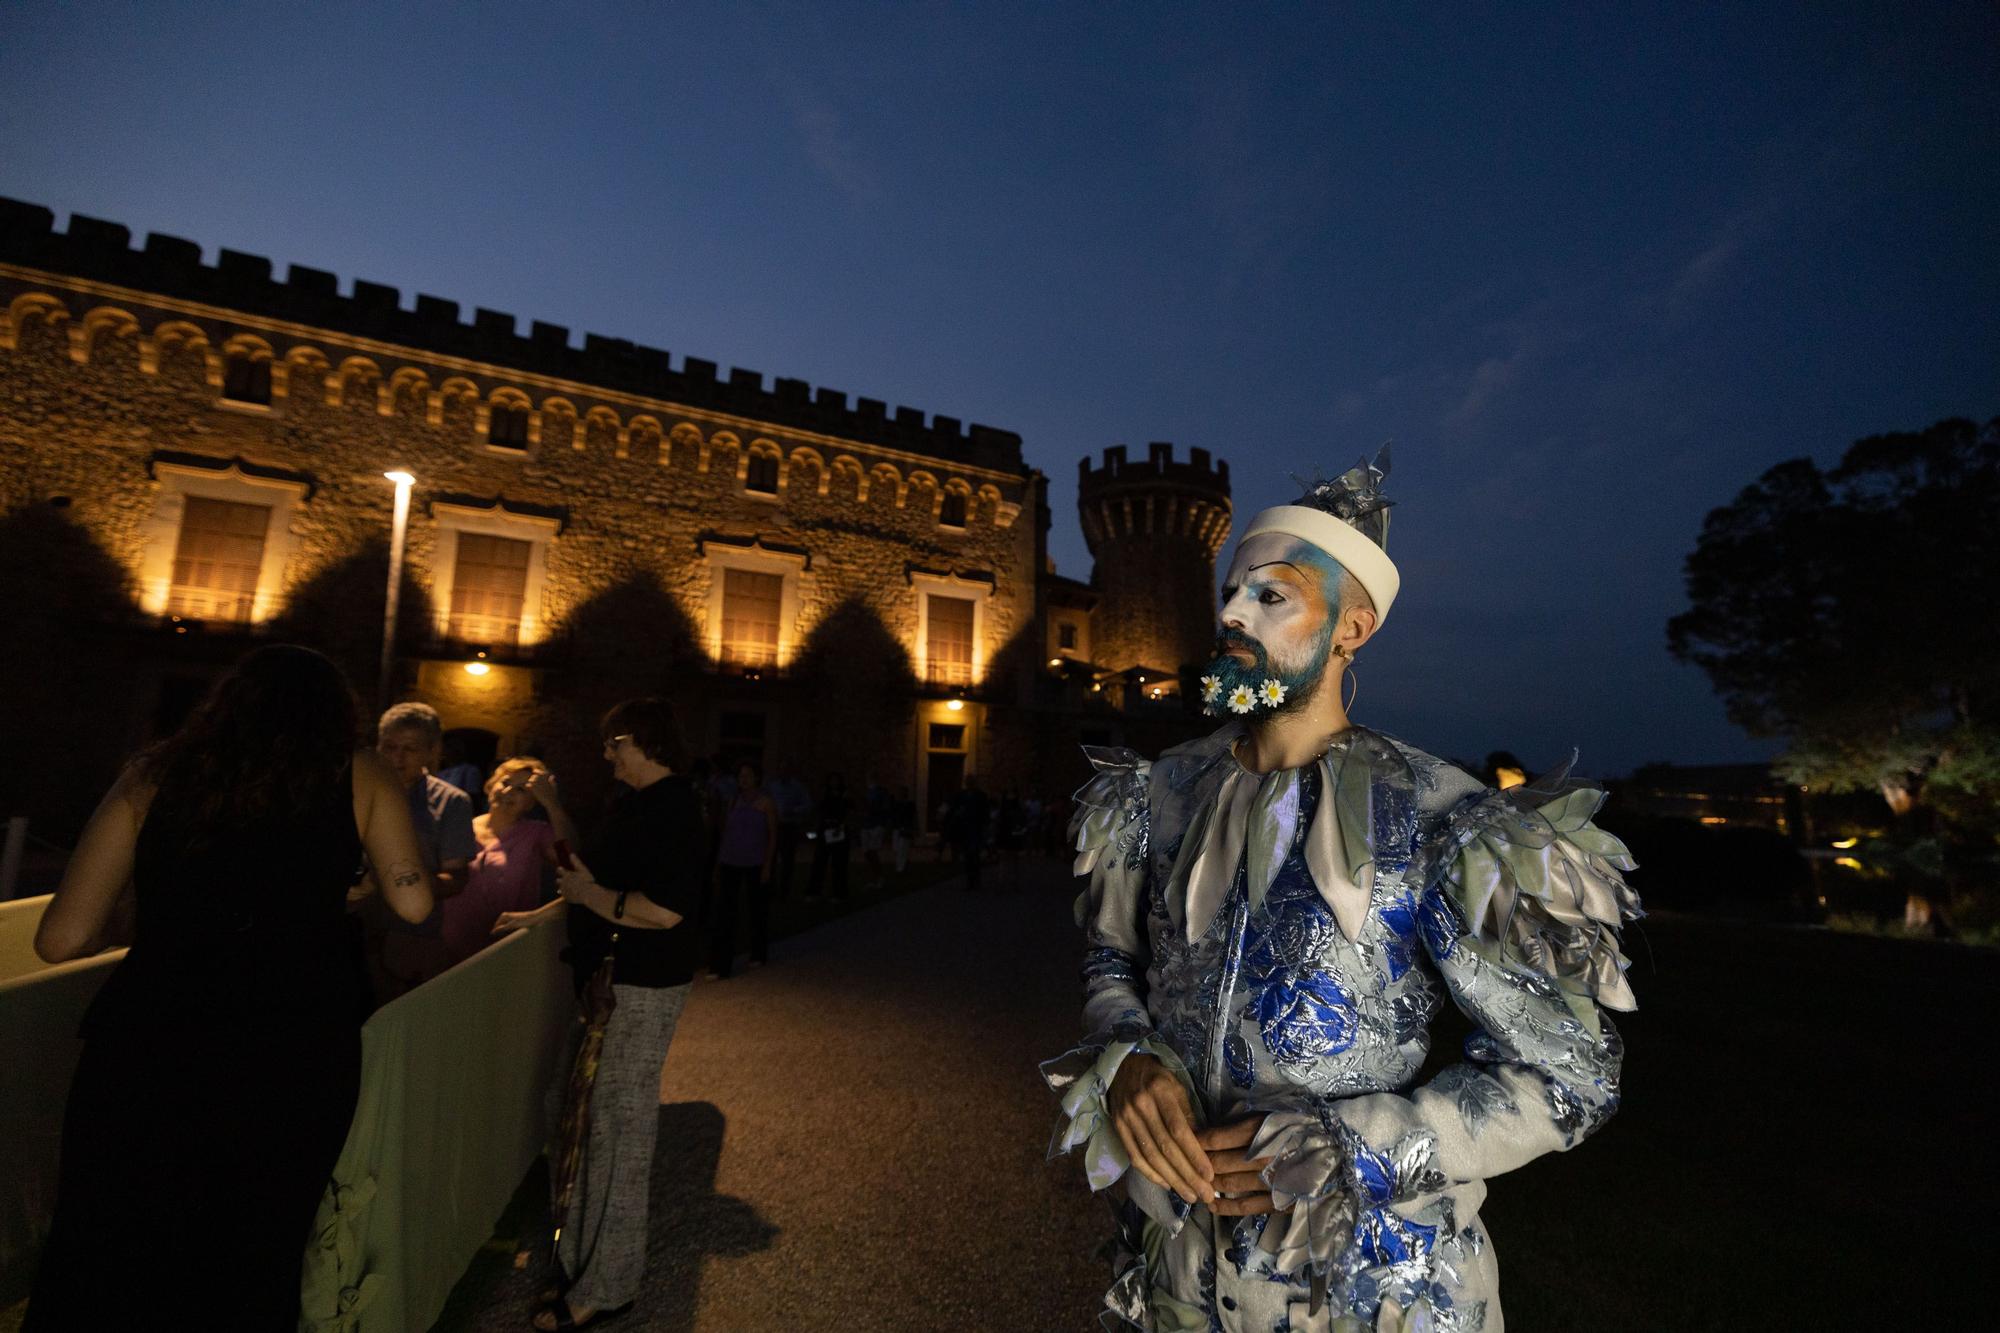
<point>1592,271</point>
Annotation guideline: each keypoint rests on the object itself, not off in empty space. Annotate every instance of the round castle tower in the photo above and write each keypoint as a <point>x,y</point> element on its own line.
<point>1154,528</point>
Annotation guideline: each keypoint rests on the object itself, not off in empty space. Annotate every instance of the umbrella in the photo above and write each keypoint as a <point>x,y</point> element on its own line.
<point>574,1130</point>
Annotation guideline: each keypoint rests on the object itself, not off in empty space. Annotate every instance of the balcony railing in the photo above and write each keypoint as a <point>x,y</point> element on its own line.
<point>941,671</point>
<point>211,604</point>
<point>748,653</point>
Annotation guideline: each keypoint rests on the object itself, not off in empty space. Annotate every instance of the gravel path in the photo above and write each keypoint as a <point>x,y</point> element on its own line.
<point>854,1136</point>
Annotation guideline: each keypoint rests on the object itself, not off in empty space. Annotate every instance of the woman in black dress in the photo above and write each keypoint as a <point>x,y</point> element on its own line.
<point>222,1059</point>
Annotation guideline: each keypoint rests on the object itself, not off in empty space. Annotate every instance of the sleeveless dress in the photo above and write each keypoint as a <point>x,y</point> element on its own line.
<point>220,1069</point>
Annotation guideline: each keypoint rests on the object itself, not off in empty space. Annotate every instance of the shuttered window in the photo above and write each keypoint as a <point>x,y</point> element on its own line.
<point>949,650</point>
<point>750,603</point>
<point>246,379</point>
<point>220,551</point>
<point>507,427</point>
<point>487,589</point>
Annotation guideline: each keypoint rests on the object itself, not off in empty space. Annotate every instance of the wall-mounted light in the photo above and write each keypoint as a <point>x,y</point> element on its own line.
<point>954,705</point>
<point>476,668</point>
<point>1055,661</point>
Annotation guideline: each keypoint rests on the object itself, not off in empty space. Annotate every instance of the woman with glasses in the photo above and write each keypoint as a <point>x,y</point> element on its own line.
<point>628,899</point>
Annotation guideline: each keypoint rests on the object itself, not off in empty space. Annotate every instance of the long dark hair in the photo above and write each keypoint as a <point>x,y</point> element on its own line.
<point>271,740</point>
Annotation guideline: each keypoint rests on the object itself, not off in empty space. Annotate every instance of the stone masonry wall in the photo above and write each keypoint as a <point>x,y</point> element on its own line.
<point>94,381</point>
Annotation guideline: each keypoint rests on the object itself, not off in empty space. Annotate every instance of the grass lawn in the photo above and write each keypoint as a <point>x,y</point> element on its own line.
<point>1807,1115</point>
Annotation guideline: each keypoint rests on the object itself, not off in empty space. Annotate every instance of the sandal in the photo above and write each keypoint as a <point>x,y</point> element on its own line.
<point>558,1288</point>
<point>566,1322</point>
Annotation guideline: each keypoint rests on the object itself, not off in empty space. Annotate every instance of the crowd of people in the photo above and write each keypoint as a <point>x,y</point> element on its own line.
<point>276,883</point>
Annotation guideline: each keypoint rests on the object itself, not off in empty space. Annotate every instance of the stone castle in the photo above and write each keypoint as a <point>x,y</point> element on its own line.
<point>196,455</point>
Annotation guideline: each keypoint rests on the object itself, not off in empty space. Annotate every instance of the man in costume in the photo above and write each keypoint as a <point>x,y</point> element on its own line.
<point>1273,916</point>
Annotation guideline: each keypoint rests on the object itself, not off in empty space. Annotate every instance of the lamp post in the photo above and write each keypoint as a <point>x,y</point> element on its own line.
<point>399,526</point>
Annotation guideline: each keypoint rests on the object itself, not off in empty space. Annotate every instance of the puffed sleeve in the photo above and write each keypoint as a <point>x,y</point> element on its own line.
<point>1110,829</point>
<point>1520,905</point>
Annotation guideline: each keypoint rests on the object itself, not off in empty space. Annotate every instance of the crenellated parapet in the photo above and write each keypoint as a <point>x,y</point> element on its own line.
<point>103,252</point>
<point>1126,499</point>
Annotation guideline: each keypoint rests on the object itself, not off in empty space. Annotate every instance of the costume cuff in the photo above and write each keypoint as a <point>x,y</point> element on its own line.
<point>1082,1078</point>
<point>1316,1209</point>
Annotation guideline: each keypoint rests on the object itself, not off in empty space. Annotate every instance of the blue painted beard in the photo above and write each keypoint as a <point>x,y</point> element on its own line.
<point>1300,686</point>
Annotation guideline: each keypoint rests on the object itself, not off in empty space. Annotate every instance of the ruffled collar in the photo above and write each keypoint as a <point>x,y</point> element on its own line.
<point>1252,819</point>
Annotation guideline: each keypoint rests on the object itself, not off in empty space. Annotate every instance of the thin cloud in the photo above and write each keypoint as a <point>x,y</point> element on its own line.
<point>833,154</point>
<point>1738,233</point>
<point>1491,379</point>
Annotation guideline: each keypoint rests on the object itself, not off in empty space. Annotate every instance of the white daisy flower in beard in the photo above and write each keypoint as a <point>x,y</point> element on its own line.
<point>1211,688</point>
<point>1241,700</point>
<point>1271,693</point>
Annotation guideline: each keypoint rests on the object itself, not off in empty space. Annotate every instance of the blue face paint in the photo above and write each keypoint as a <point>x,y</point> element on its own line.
<point>1278,606</point>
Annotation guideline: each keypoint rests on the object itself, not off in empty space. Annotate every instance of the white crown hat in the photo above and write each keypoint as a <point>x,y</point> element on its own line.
<point>1348,518</point>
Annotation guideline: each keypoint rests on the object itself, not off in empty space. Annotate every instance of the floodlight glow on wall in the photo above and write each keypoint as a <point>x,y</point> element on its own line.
<point>399,526</point>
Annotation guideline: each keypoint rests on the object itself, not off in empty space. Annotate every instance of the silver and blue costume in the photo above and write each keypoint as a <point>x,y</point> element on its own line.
<point>1281,942</point>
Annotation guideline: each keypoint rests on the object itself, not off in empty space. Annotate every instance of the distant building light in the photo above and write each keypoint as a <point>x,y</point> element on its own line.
<point>954,705</point>
<point>1714,819</point>
<point>1845,843</point>
<point>1055,661</point>
<point>476,668</point>
<point>1848,863</point>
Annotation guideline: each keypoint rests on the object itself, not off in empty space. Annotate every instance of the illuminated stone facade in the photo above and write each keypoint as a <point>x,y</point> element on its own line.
<point>821,582</point>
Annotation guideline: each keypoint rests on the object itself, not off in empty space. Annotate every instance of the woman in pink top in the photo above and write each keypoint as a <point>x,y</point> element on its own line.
<point>514,854</point>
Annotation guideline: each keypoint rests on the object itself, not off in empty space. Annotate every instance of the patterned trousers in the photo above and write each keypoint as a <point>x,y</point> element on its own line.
<point>603,1243</point>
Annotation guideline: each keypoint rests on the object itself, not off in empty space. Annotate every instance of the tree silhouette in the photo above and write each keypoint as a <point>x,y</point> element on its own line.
<point>1850,612</point>
<point>64,685</point>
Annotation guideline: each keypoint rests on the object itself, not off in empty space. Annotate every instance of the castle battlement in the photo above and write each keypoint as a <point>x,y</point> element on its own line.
<point>169,266</point>
<point>1154,527</point>
<point>1119,470</point>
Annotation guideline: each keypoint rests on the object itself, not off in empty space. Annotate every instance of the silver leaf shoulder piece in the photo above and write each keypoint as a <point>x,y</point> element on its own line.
<point>1110,828</point>
<point>1540,889</point>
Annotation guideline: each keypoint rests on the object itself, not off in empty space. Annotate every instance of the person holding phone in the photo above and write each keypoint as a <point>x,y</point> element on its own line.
<point>516,852</point>
<point>830,845</point>
<point>628,897</point>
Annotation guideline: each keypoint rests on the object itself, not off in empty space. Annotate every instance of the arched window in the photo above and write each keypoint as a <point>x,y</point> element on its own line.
<point>951,512</point>
<point>246,377</point>
<point>762,474</point>
<point>507,427</point>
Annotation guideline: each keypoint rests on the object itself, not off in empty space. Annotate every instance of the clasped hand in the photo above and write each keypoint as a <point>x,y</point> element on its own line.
<point>574,883</point>
<point>1150,1111</point>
